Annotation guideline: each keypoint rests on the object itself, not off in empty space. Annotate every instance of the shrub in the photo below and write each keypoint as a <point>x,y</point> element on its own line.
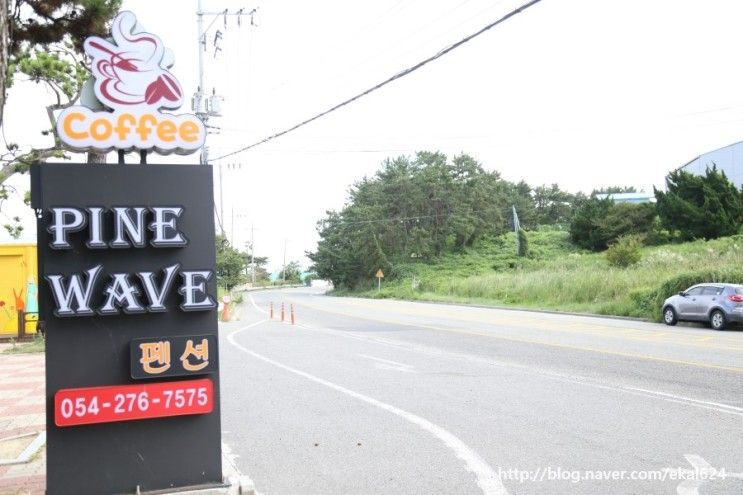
<point>643,302</point>
<point>308,278</point>
<point>624,252</point>
<point>657,235</point>
<point>523,243</point>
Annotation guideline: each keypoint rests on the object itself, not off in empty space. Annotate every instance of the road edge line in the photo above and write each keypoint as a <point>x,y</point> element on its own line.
<point>486,478</point>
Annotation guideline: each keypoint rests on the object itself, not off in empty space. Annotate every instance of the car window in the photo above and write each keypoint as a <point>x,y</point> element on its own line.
<point>711,291</point>
<point>739,290</point>
<point>694,291</point>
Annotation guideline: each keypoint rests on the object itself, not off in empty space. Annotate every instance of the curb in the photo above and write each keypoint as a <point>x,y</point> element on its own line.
<point>690,324</point>
<point>268,287</point>
<point>29,451</point>
<point>507,308</point>
<point>234,485</point>
<point>532,310</point>
<point>233,482</point>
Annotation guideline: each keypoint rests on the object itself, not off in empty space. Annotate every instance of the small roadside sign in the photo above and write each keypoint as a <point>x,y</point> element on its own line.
<point>380,276</point>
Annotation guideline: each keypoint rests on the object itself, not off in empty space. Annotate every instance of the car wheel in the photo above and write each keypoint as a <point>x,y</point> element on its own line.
<point>717,320</point>
<point>669,316</point>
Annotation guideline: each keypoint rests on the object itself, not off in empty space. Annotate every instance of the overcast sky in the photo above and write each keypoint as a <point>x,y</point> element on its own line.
<point>584,93</point>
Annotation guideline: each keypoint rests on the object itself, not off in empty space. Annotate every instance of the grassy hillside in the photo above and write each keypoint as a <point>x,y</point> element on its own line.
<point>558,276</point>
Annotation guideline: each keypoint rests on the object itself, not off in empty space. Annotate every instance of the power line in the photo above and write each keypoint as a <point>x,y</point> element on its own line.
<point>399,75</point>
<point>344,44</point>
<point>394,44</point>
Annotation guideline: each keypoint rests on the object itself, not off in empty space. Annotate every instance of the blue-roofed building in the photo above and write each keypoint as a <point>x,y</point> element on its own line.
<point>728,159</point>
<point>635,198</point>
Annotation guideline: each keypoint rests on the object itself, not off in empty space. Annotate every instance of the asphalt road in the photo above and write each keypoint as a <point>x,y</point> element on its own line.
<point>373,396</point>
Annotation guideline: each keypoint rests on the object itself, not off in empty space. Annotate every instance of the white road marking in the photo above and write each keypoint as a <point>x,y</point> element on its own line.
<point>435,352</point>
<point>688,399</point>
<point>487,479</point>
<point>386,364</point>
<point>252,301</point>
<point>702,473</point>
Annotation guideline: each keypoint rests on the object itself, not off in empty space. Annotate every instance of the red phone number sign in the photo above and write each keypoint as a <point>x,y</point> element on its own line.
<point>84,406</point>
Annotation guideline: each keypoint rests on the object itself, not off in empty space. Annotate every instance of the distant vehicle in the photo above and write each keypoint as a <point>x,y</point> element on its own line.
<point>719,304</point>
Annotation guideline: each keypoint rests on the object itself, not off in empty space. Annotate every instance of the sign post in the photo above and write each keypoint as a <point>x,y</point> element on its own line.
<point>128,286</point>
<point>380,276</point>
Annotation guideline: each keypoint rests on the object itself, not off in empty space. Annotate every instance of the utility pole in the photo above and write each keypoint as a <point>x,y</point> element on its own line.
<point>199,96</point>
<point>283,270</point>
<point>252,255</point>
<point>210,106</point>
<point>203,104</point>
<point>221,202</point>
<point>202,45</point>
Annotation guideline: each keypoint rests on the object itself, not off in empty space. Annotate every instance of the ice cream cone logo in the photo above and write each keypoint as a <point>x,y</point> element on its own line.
<point>132,70</point>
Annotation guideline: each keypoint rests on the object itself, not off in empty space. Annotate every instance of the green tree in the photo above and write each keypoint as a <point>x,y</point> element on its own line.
<point>700,206</point>
<point>4,49</point>
<point>42,39</point>
<point>45,44</point>
<point>584,226</point>
<point>628,219</point>
<point>520,196</point>
<point>419,208</point>
<point>597,223</point>
<point>308,278</point>
<point>230,264</point>
<point>552,205</point>
<point>260,262</point>
<point>292,273</point>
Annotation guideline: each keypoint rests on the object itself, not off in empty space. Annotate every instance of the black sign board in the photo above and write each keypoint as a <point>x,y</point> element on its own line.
<point>173,356</point>
<point>126,255</point>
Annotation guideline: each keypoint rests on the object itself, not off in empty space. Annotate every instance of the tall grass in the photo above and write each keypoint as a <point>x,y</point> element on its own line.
<point>558,276</point>
<point>37,345</point>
